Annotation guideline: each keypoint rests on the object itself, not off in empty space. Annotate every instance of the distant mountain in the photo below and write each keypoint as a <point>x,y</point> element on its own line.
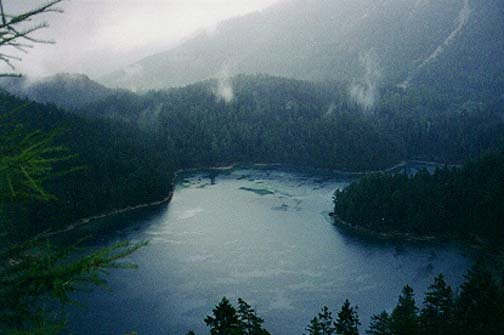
<point>66,90</point>
<point>442,43</point>
<point>267,119</point>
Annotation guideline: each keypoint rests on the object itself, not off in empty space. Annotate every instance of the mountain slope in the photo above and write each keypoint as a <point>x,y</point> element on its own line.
<point>122,166</point>
<point>347,40</point>
<point>67,90</point>
<point>268,119</point>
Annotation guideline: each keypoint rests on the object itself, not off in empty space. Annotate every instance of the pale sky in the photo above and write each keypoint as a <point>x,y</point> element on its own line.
<point>99,36</point>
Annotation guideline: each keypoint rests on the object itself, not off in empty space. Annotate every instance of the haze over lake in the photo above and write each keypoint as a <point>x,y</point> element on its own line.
<point>261,234</point>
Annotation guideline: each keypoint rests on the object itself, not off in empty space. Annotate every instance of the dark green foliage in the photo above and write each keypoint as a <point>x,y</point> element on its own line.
<point>347,322</point>
<point>436,316</point>
<point>480,305</point>
<point>118,166</point>
<point>250,322</point>
<point>326,321</point>
<point>465,203</point>
<point>67,90</point>
<point>314,328</point>
<point>224,320</point>
<point>131,159</point>
<point>380,324</point>
<point>404,319</point>
<point>271,120</point>
<point>227,320</point>
<point>277,120</point>
<point>322,324</point>
<point>37,279</point>
<point>27,160</point>
<point>477,310</point>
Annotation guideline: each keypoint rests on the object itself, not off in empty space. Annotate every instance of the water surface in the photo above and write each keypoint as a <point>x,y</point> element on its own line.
<point>260,234</point>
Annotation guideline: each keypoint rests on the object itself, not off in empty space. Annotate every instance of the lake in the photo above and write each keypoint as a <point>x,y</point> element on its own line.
<point>263,234</point>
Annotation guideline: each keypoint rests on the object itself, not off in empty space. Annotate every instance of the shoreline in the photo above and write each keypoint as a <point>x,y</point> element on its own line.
<point>335,171</point>
<point>87,220</point>
<point>384,236</point>
<point>168,198</point>
<point>475,243</point>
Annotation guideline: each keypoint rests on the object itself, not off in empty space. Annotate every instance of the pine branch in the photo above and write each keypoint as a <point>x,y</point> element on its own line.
<point>11,34</point>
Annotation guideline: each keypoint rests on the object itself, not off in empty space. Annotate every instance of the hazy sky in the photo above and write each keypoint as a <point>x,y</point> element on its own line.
<point>99,36</point>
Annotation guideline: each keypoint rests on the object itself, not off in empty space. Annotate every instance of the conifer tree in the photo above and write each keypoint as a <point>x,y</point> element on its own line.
<point>326,321</point>
<point>479,308</point>
<point>380,324</point>
<point>250,322</point>
<point>224,320</point>
<point>347,322</point>
<point>404,319</point>
<point>314,328</point>
<point>36,277</point>
<point>437,314</point>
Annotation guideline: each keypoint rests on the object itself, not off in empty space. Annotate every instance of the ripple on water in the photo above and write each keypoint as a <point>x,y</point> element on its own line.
<point>248,236</point>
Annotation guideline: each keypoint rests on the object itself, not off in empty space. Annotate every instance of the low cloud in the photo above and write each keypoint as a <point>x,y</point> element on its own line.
<point>99,37</point>
<point>224,90</point>
<point>364,90</point>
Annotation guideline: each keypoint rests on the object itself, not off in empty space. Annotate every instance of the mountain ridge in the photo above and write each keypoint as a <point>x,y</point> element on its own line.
<point>322,40</point>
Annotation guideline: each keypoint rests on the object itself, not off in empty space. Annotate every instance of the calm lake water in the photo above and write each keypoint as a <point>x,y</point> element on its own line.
<point>263,235</point>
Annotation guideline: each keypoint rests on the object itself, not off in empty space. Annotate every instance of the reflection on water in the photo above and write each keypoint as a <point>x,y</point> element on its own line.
<point>265,236</point>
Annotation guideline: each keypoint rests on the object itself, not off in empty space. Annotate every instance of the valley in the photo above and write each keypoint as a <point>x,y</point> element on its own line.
<point>334,167</point>
<point>275,246</point>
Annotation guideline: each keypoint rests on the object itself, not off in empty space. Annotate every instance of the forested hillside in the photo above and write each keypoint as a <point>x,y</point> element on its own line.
<point>463,203</point>
<point>119,166</point>
<point>132,143</point>
<point>275,120</point>
<point>453,45</point>
<point>347,85</point>
<point>67,90</point>
<point>265,119</point>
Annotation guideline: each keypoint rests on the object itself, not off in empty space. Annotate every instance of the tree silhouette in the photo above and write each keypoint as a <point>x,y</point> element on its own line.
<point>437,314</point>
<point>250,322</point>
<point>326,321</point>
<point>224,320</point>
<point>380,324</point>
<point>17,34</point>
<point>347,322</point>
<point>480,306</point>
<point>404,316</point>
<point>314,328</point>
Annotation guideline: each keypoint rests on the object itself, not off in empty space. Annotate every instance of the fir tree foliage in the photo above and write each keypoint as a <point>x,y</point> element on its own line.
<point>228,320</point>
<point>37,278</point>
<point>436,316</point>
<point>480,306</point>
<point>477,310</point>
<point>380,324</point>
<point>404,319</point>
<point>314,328</point>
<point>464,202</point>
<point>250,322</point>
<point>224,320</point>
<point>347,322</point>
<point>326,321</point>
